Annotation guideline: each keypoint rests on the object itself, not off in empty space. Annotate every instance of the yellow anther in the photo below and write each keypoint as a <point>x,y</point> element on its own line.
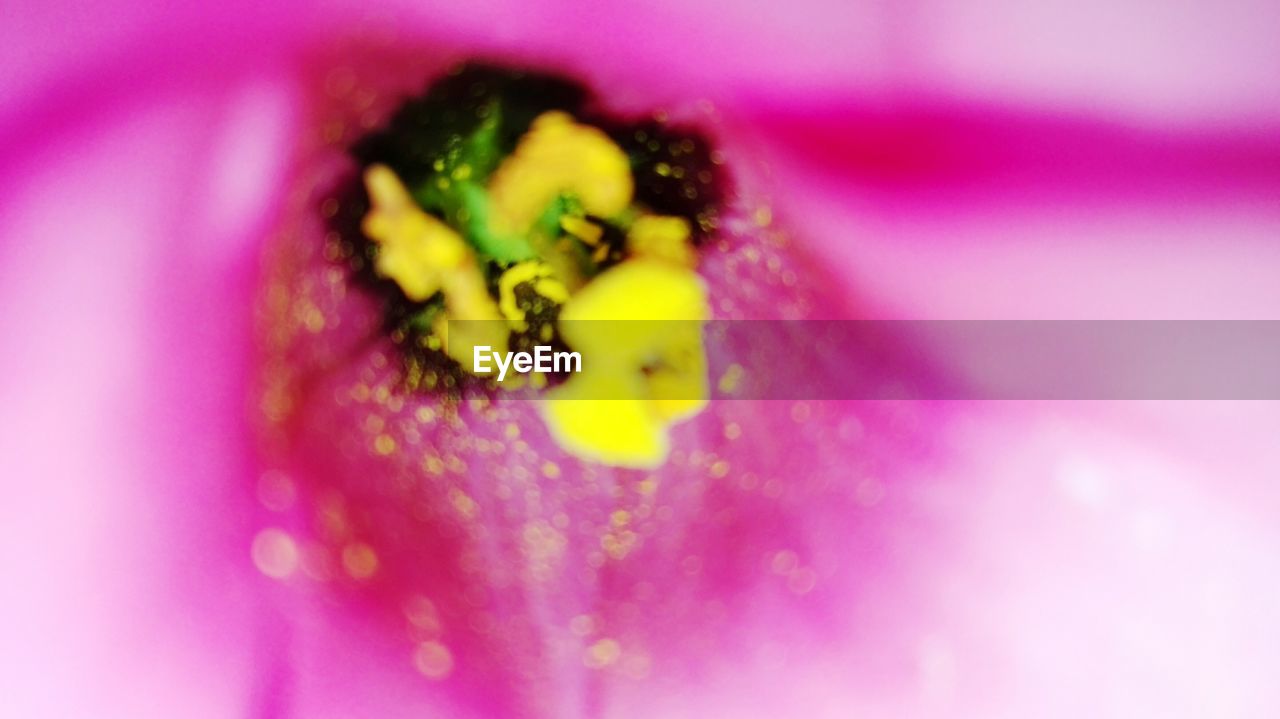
<point>424,256</point>
<point>559,157</point>
<point>662,238</point>
<point>415,249</point>
<point>540,277</point>
<point>582,228</point>
<point>639,329</point>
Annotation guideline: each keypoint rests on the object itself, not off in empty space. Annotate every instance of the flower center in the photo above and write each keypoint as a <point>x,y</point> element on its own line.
<point>504,211</point>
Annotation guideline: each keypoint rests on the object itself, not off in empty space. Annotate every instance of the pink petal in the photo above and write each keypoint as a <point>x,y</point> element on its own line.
<point>126,280</point>
<point>1113,522</point>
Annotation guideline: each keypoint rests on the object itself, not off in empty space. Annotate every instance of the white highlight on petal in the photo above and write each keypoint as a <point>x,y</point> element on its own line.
<point>248,159</point>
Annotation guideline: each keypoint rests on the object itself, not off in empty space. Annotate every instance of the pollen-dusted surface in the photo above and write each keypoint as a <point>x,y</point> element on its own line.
<point>518,573</point>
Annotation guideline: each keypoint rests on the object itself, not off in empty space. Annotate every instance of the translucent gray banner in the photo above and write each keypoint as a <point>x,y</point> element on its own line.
<point>1015,359</point>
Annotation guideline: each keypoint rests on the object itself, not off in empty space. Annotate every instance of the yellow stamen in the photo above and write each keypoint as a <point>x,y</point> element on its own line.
<point>559,157</point>
<point>662,238</point>
<point>638,327</point>
<point>583,229</point>
<point>414,249</point>
<point>425,256</point>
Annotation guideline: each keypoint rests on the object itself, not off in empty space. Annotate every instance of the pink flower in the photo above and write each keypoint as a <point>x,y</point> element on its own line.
<point>969,559</point>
